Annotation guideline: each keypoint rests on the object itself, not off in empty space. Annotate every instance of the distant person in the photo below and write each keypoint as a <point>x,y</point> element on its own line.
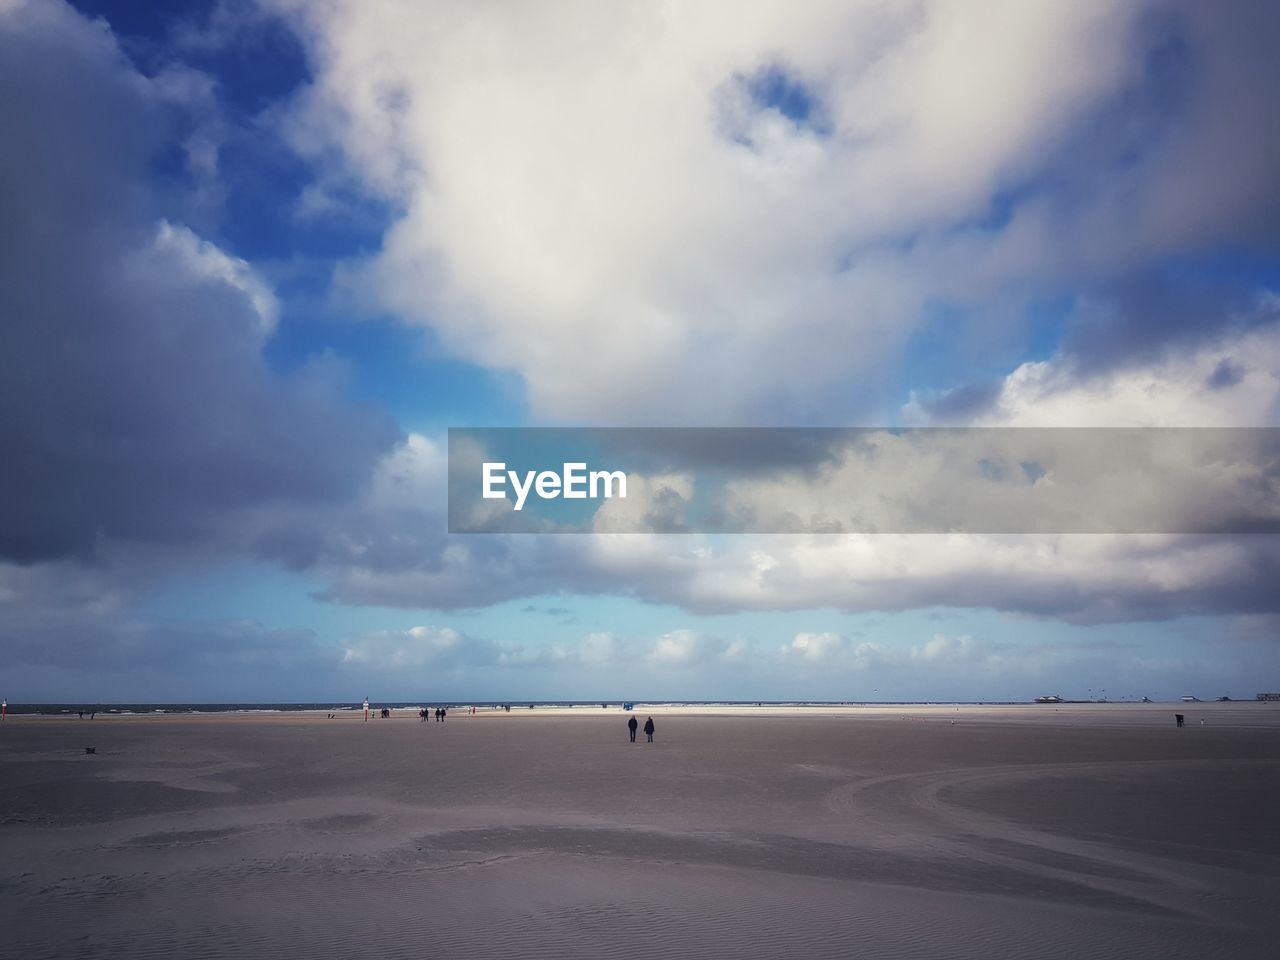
<point>648,728</point>
<point>4,709</point>
<point>366,709</point>
<point>444,714</point>
<point>632,724</point>
<point>1179,718</point>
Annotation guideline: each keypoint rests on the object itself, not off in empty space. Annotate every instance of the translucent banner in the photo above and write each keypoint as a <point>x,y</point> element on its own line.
<point>864,480</point>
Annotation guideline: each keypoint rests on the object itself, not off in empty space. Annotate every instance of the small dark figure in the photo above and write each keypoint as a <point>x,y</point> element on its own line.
<point>1180,718</point>
<point>93,714</point>
<point>444,714</point>
<point>631,726</point>
<point>648,728</point>
<point>81,714</point>
<point>90,749</point>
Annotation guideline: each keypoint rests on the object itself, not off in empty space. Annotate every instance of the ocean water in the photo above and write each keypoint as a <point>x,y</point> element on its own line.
<point>329,706</point>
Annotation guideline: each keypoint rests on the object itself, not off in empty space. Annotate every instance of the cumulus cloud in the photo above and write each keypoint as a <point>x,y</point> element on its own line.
<point>406,561</point>
<point>1233,381</point>
<point>595,649</point>
<point>425,646</point>
<point>686,647</point>
<point>718,214</point>
<point>815,646</point>
<point>1021,481</point>
<point>657,504</point>
<point>182,251</point>
<point>70,632</point>
<point>137,401</point>
<point>940,652</point>
<point>392,551</point>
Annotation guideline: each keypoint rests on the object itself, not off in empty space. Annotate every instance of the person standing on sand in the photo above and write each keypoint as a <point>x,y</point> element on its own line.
<point>648,729</point>
<point>4,709</point>
<point>631,726</point>
<point>366,709</point>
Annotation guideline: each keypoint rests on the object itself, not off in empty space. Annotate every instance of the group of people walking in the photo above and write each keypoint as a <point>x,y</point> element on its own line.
<point>633,724</point>
<point>440,713</point>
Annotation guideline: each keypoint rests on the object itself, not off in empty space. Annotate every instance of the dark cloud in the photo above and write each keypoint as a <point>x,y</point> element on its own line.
<point>1148,316</point>
<point>137,404</point>
<point>961,404</point>
<point>1108,579</point>
<point>549,611</point>
<point>1226,374</point>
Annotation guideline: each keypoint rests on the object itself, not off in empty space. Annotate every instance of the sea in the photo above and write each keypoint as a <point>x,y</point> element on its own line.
<point>329,706</point>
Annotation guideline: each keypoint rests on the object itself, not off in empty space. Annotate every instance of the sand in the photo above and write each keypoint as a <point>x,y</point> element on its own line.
<point>1080,830</point>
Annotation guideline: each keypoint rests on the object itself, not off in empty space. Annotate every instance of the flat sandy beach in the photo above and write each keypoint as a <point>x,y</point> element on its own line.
<point>1047,831</point>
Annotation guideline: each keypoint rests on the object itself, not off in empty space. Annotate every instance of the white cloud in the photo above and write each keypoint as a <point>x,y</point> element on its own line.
<point>593,650</point>
<point>1022,481</point>
<point>816,646</point>
<point>598,198</point>
<point>201,260</point>
<point>411,476</point>
<point>685,647</point>
<point>655,503</point>
<point>1180,389</point>
<point>422,647</point>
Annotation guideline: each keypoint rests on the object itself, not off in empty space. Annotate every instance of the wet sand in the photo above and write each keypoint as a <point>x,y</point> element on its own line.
<point>1065,831</point>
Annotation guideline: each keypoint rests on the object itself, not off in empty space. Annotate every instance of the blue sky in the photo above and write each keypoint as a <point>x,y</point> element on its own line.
<point>263,253</point>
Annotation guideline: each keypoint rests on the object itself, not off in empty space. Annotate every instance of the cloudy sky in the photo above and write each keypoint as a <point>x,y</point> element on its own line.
<point>256,256</point>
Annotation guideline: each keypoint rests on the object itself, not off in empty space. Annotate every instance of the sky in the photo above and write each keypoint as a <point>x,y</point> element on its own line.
<point>258,256</point>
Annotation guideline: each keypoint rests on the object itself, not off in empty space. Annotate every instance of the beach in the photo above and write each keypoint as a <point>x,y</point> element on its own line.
<point>889,831</point>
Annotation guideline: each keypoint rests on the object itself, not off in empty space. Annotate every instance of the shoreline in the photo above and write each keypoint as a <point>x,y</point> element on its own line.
<point>1234,713</point>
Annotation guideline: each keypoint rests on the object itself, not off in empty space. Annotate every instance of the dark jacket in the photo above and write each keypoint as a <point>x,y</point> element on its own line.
<point>632,723</point>
<point>648,725</point>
